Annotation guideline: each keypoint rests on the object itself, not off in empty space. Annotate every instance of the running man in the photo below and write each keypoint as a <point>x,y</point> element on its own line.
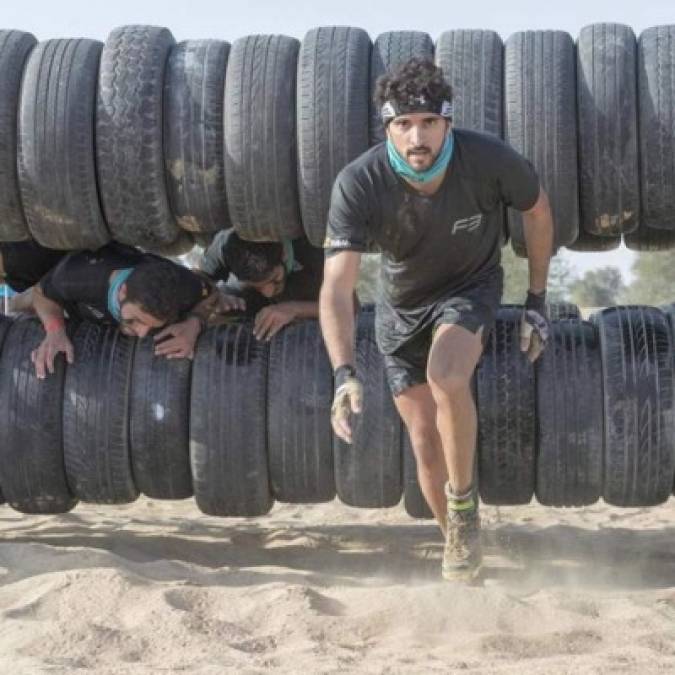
<point>431,197</point>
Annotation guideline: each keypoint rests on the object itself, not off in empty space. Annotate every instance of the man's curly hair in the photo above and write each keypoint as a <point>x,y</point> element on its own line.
<point>252,261</point>
<point>157,288</point>
<point>412,79</point>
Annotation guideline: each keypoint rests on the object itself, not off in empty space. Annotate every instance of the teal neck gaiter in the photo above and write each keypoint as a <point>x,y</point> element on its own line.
<point>113,292</point>
<point>403,169</point>
<point>289,258</point>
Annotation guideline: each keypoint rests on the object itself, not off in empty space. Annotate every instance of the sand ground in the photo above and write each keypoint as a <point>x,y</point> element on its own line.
<point>158,587</point>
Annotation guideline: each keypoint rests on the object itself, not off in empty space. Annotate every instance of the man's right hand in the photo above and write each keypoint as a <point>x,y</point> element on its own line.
<point>54,343</point>
<point>348,399</point>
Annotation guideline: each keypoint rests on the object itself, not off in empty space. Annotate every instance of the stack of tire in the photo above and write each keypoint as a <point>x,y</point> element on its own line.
<point>248,422</point>
<point>159,144</point>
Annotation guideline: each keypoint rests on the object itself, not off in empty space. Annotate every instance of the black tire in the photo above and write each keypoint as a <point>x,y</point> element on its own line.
<point>669,311</point>
<point>473,63</point>
<point>637,371</point>
<point>228,425</point>
<point>96,416</point>
<point>413,500</point>
<point>558,311</point>
<point>129,150</point>
<point>333,109</point>
<point>260,147</point>
<point>300,393</point>
<point>506,419</point>
<point>57,172</point>
<point>590,242</point>
<point>32,472</point>
<point>391,50</point>
<point>647,238</point>
<point>368,471</point>
<point>609,189</point>
<point>193,134</point>
<point>182,245</point>
<point>540,121</point>
<point>159,424</point>
<point>5,324</point>
<point>656,100</point>
<point>570,416</point>
<point>15,46</point>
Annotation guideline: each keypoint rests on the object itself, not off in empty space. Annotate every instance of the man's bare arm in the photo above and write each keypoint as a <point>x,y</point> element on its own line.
<point>56,340</point>
<point>336,306</point>
<point>538,231</point>
<point>47,310</point>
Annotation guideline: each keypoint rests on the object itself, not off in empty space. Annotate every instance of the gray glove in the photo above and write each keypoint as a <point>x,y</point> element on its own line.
<point>534,328</point>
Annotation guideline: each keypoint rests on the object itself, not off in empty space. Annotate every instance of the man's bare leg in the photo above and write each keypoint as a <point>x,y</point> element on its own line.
<point>453,357</point>
<point>417,409</point>
<point>452,360</point>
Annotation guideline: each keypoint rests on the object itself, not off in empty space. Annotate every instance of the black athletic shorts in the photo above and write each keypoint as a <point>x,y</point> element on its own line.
<point>404,336</point>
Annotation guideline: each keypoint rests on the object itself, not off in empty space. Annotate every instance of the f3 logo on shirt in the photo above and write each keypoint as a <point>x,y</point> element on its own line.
<point>468,224</point>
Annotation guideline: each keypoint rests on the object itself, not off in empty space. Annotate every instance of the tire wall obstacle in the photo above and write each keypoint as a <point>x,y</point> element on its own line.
<point>161,144</point>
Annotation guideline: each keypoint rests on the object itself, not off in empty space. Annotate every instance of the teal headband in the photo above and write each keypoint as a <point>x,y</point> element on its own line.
<point>113,292</point>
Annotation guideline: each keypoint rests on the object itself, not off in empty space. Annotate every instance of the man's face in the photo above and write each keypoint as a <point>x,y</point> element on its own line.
<point>135,322</point>
<point>418,137</point>
<point>271,286</point>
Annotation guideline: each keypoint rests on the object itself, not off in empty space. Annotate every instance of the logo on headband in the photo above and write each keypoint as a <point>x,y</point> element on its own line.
<point>446,109</point>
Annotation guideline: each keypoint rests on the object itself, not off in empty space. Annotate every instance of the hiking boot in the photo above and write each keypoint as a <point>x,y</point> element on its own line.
<point>462,555</point>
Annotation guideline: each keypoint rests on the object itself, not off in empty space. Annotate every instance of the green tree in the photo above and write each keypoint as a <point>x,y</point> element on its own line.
<point>653,279</point>
<point>517,279</point>
<point>561,278</point>
<point>598,288</point>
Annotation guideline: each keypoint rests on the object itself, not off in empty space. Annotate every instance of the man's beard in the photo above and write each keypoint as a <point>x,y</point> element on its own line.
<point>421,151</point>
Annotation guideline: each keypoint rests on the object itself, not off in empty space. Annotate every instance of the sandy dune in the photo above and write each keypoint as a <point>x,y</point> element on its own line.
<point>158,587</point>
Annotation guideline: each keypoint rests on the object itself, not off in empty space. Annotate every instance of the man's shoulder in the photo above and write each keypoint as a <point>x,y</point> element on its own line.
<point>476,148</point>
<point>368,169</point>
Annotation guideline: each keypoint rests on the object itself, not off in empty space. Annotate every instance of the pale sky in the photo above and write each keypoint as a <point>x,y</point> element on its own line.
<point>192,19</point>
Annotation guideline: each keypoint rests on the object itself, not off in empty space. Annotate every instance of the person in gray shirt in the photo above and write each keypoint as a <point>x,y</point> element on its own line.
<point>431,198</point>
<point>277,282</point>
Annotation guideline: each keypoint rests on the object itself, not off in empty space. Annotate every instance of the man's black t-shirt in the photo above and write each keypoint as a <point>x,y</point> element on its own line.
<point>431,244</point>
<point>26,262</point>
<point>80,281</point>
<point>303,280</point>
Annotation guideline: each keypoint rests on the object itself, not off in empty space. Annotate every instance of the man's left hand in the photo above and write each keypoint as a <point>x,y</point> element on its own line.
<point>271,319</point>
<point>178,340</point>
<point>534,328</point>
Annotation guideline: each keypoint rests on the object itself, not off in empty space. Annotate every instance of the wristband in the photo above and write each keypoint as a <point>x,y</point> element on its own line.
<point>342,373</point>
<point>536,301</point>
<point>54,325</point>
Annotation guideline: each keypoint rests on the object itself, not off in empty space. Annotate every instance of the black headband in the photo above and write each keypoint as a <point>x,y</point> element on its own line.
<point>415,104</point>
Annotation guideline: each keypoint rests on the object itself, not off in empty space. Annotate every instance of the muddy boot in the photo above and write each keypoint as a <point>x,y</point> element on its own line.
<point>462,555</point>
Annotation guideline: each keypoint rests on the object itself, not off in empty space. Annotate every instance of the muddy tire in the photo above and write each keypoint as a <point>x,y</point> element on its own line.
<point>332,116</point>
<point>15,46</point>
<point>260,146</point>
<point>193,134</point>
<point>129,143</point>
<point>57,171</point>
